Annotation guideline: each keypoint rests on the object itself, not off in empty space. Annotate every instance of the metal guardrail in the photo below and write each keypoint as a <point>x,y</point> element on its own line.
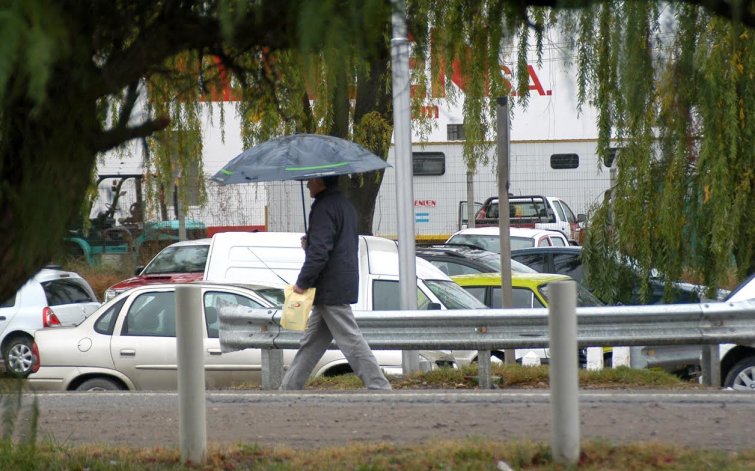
<point>499,329</point>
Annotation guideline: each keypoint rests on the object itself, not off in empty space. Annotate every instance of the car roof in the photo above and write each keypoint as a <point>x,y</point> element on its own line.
<point>182,243</point>
<point>514,231</point>
<point>517,279</point>
<point>572,249</point>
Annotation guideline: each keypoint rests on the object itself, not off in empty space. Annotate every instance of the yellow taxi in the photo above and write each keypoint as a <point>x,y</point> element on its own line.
<point>529,290</point>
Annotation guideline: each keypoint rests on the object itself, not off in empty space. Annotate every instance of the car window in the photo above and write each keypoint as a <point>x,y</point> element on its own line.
<point>454,268</point>
<point>518,243</point>
<point>569,213</point>
<point>535,261</point>
<point>212,302</point>
<point>106,322</point>
<point>568,264</point>
<point>584,297</point>
<point>151,315</point>
<point>477,291</point>
<point>521,298</point>
<point>10,302</point>
<point>543,242</point>
<point>66,291</point>
<point>559,210</point>
<point>180,259</point>
<point>386,297</point>
<point>557,241</point>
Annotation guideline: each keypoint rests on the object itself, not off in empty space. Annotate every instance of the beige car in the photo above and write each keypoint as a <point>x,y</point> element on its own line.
<point>130,344</point>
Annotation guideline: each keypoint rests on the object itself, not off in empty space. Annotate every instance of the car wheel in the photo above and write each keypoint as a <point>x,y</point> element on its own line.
<point>742,375</point>
<point>99,384</point>
<point>18,356</point>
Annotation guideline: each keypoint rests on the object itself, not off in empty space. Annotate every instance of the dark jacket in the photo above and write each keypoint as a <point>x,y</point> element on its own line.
<point>331,262</point>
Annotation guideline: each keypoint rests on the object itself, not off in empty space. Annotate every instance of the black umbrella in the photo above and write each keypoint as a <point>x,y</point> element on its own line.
<point>299,157</point>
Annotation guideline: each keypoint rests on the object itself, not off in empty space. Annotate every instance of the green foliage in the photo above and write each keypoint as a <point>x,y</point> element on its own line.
<point>686,186</point>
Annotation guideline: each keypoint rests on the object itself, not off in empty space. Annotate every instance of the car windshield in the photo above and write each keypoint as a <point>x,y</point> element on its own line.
<point>584,297</point>
<point>453,296</point>
<point>491,243</point>
<point>179,259</point>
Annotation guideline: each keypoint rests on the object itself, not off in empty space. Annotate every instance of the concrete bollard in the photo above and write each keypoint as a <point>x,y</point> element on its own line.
<point>192,409</point>
<point>563,372</point>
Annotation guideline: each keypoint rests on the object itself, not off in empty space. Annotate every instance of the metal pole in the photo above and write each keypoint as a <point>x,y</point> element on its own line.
<point>563,371</point>
<point>470,198</point>
<point>407,269</point>
<point>192,420</point>
<point>502,129</point>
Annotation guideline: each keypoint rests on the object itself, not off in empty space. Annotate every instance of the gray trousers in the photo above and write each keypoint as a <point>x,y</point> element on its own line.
<point>328,322</point>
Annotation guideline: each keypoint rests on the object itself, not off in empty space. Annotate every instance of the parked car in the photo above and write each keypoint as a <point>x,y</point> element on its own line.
<point>130,344</point>
<point>181,262</point>
<point>529,290</point>
<point>488,238</point>
<point>275,258</point>
<point>51,297</point>
<point>456,259</point>
<point>568,261</point>
<point>738,361</point>
<point>535,211</point>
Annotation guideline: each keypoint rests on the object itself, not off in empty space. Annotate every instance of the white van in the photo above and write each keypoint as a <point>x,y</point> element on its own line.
<point>275,258</point>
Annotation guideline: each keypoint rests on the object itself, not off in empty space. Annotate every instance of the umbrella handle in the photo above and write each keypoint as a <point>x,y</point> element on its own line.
<point>303,207</point>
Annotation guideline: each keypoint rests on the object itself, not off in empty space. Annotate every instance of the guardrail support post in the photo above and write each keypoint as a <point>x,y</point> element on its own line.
<point>483,368</point>
<point>563,372</point>
<point>272,368</point>
<point>711,365</point>
<point>192,409</point>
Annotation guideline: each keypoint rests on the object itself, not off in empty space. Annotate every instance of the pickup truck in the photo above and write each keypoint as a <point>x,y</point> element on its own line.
<point>535,211</point>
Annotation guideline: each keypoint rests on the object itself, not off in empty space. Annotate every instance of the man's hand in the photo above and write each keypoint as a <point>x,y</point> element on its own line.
<point>298,290</point>
<point>304,242</point>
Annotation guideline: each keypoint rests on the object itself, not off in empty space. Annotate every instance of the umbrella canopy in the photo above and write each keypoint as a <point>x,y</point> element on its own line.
<point>299,157</point>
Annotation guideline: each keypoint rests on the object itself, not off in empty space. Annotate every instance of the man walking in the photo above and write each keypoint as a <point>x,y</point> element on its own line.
<point>331,266</point>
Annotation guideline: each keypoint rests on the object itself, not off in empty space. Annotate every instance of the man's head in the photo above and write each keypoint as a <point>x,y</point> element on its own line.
<point>316,185</point>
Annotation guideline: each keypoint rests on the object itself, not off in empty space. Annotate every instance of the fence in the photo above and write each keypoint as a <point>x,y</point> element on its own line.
<point>498,329</point>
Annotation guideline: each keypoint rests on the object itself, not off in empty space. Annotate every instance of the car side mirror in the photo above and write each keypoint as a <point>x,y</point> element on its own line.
<point>581,217</point>
<point>433,307</point>
<point>138,270</point>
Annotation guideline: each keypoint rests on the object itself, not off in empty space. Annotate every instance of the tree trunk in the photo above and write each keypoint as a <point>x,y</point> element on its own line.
<point>46,157</point>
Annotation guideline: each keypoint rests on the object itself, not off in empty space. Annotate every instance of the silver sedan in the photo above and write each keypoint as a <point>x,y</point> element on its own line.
<point>130,344</point>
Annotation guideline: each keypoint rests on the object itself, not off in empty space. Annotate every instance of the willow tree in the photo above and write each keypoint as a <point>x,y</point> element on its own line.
<point>73,74</point>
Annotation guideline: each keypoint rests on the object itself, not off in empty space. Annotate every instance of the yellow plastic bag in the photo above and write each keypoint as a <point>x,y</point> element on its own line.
<point>296,308</point>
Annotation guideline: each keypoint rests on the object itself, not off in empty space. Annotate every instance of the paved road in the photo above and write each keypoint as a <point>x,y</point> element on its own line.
<point>720,420</point>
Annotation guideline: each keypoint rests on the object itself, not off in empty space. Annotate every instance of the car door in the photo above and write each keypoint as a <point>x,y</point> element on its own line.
<point>144,343</point>
<point>143,346</point>
<point>228,369</point>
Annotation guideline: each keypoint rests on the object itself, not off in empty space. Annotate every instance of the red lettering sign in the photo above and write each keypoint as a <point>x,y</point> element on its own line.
<point>425,203</point>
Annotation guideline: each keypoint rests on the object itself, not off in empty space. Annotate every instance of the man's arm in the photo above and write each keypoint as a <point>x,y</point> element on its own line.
<point>320,242</point>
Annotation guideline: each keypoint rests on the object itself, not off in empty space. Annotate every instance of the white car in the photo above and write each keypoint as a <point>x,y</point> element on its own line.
<point>130,344</point>
<point>488,238</point>
<point>51,297</point>
<point>738,361</point>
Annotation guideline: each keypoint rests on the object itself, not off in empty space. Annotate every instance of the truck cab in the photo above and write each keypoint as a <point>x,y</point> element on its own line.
<point>534,211</point>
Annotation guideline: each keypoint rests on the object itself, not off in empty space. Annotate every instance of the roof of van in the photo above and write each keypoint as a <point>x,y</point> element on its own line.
<point>276,257</point>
